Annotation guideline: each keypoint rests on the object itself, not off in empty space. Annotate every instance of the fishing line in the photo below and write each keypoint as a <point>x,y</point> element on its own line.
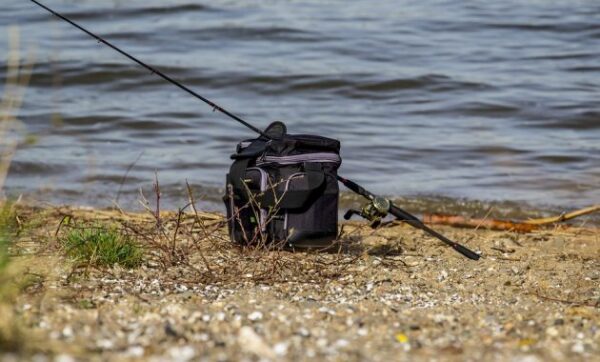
<point>215,106</point>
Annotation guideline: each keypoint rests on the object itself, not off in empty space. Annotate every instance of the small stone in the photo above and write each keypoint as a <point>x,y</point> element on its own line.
<point>64,358</point>
<point>251,342</point>
<point>281,349</point>
<point>341,343</point>
<point>67,332</point>
<point>170,331</point>
<point>443,275</point>
<point>105,344</point>
<point>184,353</point>
<point>322,342</point>
<point>255,316</point>
<point>552,332</point>
<point>578,347</point>
<point>181,288</point>
<point>135,351</point>
<point>304,332</point>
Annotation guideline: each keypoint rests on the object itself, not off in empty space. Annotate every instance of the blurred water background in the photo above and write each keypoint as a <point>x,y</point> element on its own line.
<point>451,106</point>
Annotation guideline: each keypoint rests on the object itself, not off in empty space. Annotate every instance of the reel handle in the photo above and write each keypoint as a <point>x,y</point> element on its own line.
<point>350,213</point>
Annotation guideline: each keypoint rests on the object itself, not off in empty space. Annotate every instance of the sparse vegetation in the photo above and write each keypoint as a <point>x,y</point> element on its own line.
<point>101,245</point>
<point>10,331</point>
<point>8,227</point>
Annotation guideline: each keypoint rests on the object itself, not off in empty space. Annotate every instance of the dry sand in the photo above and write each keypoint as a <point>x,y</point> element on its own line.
<point>389,294</point>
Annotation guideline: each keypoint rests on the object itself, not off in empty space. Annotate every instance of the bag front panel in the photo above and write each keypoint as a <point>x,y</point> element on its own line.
<point>316,224</point>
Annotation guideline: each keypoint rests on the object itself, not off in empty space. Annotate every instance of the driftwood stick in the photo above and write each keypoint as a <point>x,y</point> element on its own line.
<point>564,217</point>
<point>461,221</point>
<point>507,225</point>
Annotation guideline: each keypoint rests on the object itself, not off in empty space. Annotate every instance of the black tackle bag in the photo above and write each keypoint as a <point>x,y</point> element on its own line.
<point>282,190</point>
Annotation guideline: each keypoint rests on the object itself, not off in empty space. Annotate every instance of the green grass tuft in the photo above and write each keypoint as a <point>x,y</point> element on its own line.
<point>102,246</point>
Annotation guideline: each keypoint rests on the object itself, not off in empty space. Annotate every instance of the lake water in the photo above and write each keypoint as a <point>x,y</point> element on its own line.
<point>444,101</point>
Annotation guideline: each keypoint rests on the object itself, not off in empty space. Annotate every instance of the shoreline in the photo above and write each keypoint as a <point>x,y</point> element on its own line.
<point>509,210</point>
<point>392,293</point>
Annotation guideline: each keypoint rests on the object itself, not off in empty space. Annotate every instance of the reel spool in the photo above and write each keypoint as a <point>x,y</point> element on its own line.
<point>374,211</point>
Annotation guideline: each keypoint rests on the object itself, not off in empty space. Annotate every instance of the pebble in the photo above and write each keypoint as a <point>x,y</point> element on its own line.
<point>135,351</point>
<point>64,358</point>
<point>341,343</point>
<point>578,347</point>
<point>181,288</point>
<point>281,349</point>
<point>105,344</point>
<point>255,316</point>
<point>220,316</point>
<point>67,332</point>
<point>185,353</point>
<point>304,332</point>
<point>251,342</point>
<point>443,275</point>
<point>552,332</point>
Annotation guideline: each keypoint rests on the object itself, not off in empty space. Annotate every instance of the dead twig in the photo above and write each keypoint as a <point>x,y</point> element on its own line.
<point>558,300</point>
<point>564,216</point>
<point>526,226</point>
<point>157,194</point>
<point>124,178</point>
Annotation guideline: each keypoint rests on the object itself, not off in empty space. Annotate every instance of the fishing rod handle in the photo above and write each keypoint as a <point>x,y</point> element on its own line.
<point>415,222</point>
<point>466,251</point>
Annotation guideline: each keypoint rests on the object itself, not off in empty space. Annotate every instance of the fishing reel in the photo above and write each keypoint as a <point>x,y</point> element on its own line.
<point>377,208</point>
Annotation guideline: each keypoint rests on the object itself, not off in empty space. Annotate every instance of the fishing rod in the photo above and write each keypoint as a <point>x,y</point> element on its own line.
<point>379,207</point>
<point>215,106</point>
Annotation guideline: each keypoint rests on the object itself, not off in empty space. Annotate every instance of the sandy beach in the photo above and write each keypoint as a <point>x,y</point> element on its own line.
<point>386,294</point>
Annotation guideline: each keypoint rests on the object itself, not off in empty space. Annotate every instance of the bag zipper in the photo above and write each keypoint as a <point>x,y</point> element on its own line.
<point>318,157</point>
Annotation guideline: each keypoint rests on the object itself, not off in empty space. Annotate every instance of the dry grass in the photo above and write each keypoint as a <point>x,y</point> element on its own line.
<point>195,244</point>
<point>11,335</point>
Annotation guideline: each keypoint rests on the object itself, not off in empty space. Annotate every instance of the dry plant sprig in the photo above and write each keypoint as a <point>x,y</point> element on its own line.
<point>565,301</point>
<point>221,261</point>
